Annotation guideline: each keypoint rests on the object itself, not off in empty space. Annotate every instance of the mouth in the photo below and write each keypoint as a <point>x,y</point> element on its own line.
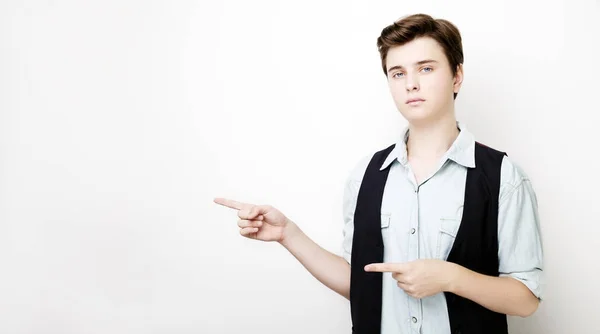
<point>415,101</point>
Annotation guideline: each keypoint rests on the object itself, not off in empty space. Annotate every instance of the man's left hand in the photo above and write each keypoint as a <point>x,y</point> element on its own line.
<point>420,278</point>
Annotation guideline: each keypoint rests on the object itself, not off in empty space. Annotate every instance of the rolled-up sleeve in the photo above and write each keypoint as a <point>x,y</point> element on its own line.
<point>351,189</point>
<point>349,205</point>
<point>520,250</point>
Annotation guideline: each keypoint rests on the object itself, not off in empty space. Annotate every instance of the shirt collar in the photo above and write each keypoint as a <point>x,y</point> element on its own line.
<point>462,150</point>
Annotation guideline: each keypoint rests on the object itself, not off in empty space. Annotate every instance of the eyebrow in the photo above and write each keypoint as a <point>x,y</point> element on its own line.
<point>399,67</point>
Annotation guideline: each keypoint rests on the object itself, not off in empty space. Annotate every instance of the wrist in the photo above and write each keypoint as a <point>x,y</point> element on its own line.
<point>290,230</point>
<point>454,273</point>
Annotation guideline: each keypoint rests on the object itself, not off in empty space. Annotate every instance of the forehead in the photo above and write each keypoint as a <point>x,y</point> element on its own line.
<point>416,50</point>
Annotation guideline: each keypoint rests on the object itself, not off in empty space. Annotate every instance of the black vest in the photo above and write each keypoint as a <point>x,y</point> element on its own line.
<point>475,246</point>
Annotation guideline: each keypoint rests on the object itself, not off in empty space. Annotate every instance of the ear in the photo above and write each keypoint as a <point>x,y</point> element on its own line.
<point>458,78</point>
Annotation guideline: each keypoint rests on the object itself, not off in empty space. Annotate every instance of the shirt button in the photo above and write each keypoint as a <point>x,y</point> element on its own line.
<point>412,230</point>
<point>414,320</point>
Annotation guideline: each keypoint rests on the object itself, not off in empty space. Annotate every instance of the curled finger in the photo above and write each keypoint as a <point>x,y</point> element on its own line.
<point>248,231</point>
<point>242,223</point>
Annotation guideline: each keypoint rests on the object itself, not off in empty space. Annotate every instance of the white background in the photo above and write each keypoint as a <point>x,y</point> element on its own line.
<point>121,120</point>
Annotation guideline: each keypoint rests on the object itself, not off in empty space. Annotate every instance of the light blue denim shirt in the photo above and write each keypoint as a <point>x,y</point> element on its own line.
<point>424,225</point>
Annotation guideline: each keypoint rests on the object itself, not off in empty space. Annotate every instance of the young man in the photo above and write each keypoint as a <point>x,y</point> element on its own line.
<point>441,233</point>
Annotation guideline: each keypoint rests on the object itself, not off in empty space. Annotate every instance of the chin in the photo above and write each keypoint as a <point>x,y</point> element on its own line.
<point>417,116</point>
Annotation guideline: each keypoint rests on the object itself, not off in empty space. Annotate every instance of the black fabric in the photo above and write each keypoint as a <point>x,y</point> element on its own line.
<point>367,247</point>
<point>475,246</point>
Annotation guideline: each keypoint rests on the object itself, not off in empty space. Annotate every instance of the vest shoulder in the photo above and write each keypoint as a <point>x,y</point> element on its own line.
<point>488,149</point>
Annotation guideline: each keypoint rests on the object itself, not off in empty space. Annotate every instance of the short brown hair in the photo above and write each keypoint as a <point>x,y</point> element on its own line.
<point>413,26</point>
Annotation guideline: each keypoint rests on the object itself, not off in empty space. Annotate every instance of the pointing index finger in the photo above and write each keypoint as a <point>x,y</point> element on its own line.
<point>384,267</point>
<point>229,203</point>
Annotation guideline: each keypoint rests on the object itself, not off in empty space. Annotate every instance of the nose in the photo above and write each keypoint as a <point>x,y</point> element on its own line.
<point>412,84</point>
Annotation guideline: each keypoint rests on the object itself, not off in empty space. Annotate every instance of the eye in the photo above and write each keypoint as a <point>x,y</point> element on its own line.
<point>427,69</point>
<point>397,75</point>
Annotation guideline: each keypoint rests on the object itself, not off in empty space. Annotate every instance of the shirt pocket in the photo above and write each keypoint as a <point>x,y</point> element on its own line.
<point>446,236</point>
<point>386,219</point>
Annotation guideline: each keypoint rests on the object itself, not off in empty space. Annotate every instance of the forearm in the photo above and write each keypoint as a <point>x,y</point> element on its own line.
<point>499,294</point>
<point>330,269</point>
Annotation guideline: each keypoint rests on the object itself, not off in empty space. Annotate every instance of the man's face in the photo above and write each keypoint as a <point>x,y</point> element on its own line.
<point>421,81</point>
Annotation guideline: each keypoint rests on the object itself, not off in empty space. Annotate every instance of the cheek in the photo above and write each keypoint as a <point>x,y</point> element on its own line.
<point>432,84</point>
<point>442,83</point>
<point>398,90</point>
<point>438,90</point>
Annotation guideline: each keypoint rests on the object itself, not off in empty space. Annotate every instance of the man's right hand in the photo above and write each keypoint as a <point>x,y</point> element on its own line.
<point>260,222</point>
<point>264,222</point>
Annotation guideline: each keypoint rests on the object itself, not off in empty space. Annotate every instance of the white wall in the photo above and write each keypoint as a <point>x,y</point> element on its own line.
<point>121,120</point>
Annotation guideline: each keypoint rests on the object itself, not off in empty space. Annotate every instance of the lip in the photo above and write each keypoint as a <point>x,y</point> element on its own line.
<point>415,100</point>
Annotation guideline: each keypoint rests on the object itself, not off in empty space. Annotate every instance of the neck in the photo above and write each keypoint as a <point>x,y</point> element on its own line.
<point>431,140</point>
